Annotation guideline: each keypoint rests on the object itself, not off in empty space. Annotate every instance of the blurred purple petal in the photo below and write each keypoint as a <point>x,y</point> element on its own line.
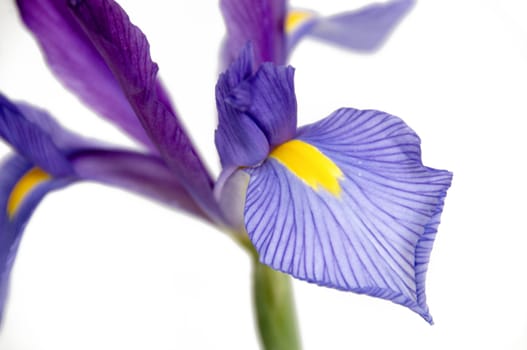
<point>77,64</point>
<point>299,23</point>
<point>12,226</point>
<point>374,237</point>
<point>33,135</point>
<point>139,173</point>
<point>260,22</point>
<point>126,52</point>
<point>45,144</point>
<point>365,29</point>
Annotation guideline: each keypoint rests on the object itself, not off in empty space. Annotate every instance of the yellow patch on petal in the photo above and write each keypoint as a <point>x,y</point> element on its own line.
<point>295,18</point>
<point>24,186</point>
<point>310,165</point>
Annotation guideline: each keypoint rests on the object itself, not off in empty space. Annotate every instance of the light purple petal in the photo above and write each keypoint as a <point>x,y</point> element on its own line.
<point>11,228</point>
<point>364,30</point>
<point>260,22</point>
<point>77,64</point>
<point>375,238</point>
<point>126,52</point>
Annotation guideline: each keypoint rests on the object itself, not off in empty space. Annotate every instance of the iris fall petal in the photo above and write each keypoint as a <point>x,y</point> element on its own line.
<point>15,215</point>
<point>364,30</point>
<point>33,134</point>
<point>374,234</point>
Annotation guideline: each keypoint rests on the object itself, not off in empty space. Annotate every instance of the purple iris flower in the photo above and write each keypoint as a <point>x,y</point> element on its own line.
<point>344,202</point>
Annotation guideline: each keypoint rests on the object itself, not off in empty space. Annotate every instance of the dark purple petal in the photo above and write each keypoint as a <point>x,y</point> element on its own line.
<point>256,112</point>
<point>77,64</point>
<point>268,98</point>
<point>126,52</point>
<point>139,173</point>
<point>239,140</point>
<point>365,29</point>
<point>33,135</point>
<point>12,225</point>
<point>260,22</point>
<point>376,234</point>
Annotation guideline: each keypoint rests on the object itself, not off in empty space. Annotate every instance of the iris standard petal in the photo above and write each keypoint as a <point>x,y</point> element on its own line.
<point>268,98</point>
<point>238,139</point>
<point>259,22</point>
<point>126,52</point>
<point>349,205</point>
<point>78,65</point>
<point>256,111</point>
<point>364,30</point>
<point>22,187</point>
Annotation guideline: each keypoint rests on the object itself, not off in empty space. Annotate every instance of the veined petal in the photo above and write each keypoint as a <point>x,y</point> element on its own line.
<point>363,30</point>
<point>22,187</point>
<point>126,52</point>
<point>259,22</point>
<point>373,234</point>
<point>256,111</point>
<point>79,66</point>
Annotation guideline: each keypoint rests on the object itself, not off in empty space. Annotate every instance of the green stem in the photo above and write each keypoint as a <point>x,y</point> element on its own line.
<point>275,308</point>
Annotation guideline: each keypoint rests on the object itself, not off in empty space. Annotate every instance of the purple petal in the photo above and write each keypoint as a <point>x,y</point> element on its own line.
<point>33,134</point>
<point>365,29</point>
<point>256,112</point>
<point>45,144</point>
<point>268,98</point>
<point>375,237</point>
<point>142,174</point>
<point>76,62</point>
<point>239,140</point>
<point>139,173</point>
<point>259,22</point>
<point>12,227</point>
<point>126,52</point>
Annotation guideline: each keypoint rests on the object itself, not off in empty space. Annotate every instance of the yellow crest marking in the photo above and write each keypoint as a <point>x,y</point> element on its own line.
<point>295,18</point>
<point>310,165</point>
<point>23,187</point>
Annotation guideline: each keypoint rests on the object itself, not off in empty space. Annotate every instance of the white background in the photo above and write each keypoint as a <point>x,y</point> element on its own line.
<point>102,269</point>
